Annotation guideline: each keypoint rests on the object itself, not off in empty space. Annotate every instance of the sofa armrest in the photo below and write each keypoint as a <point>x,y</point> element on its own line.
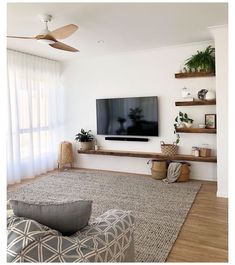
<point>110,236</point>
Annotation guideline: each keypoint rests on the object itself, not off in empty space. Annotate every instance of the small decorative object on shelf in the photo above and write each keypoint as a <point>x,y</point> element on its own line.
<point>202,94</point>
<point>210,95</point>
<point>205,151</point>
<point>194,148</point>
<point>186,93</point>
<point>187,99</point>
<point>197,152</point>
<point>202,126</point>
<point>86,140</point>
<point>210,121</point>
<point>96,147</point>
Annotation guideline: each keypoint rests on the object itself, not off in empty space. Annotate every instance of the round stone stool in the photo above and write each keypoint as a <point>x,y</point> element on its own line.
<point>65,154</point>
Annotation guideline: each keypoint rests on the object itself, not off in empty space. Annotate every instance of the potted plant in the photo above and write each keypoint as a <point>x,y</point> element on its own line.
<point>202,61</point>
<point>86,139</point>
<point>183,120</point>
<point>171,149</point>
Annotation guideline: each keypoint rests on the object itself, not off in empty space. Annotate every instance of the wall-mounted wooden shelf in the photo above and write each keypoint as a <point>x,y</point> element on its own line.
<point>194,74</point>
<point>212,159</point>
<point>195,130</point>
<point>196,102</point>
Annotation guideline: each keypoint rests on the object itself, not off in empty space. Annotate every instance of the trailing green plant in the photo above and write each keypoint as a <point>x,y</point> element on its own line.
<point>84,136</point>
<point>202,60</point>
<point>177,137</point>
<point>179,120</point>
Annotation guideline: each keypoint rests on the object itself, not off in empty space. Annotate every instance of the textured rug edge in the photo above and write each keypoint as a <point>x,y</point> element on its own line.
<point>177,235</point>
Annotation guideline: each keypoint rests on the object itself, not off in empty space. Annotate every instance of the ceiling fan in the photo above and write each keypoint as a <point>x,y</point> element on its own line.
<point>50,37</point>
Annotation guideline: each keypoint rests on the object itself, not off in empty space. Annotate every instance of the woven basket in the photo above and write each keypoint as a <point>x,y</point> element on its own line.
<point>169,149</point>
<point>184,173</point>
<point>159,169</point>
<point>205,152</point>
<point>65,154</point>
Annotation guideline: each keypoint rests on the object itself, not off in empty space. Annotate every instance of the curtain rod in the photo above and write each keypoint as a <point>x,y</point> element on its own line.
<point>33,55</point>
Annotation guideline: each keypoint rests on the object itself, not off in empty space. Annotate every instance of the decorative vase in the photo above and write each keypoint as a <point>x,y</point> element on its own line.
<point>86,145</point>
<point>185,93</point>
<point>202,94</point>
<point>188,124</point>
<point>210,95</point>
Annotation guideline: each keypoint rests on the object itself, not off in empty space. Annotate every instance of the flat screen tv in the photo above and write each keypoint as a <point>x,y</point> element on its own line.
<point>127,116</point>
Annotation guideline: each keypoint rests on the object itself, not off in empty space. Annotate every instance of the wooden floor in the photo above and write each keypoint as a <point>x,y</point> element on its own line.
<point>204,235</point>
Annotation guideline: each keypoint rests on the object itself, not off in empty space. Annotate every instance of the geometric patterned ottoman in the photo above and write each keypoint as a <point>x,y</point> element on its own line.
<point>108,239</point>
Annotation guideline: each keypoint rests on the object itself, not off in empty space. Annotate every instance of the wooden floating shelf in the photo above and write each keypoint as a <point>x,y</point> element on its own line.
<point>196,102</point>
<point>194,74</point>
<point>195,130</point>
<point>212,159</point>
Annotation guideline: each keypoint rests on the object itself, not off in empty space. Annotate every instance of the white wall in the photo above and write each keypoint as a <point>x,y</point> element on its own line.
<point>221,45</point>
<point>144,73</point>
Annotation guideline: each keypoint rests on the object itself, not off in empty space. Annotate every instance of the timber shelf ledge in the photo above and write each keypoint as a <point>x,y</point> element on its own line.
<point>195,130</point>
<point>194,74</point>
<point>196,102</point>
<point>211,159</point>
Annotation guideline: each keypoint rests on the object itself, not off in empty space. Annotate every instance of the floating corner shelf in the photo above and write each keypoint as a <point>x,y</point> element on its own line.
<point>194,74</point>
<point>196,102</point>
<point>196,130</point>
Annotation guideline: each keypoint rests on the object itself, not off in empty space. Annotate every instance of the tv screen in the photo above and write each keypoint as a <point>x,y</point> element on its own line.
<point>127,116</point>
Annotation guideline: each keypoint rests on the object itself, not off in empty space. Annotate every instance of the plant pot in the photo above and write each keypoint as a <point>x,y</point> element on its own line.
<point>86,145</point>
<point>188,124</point>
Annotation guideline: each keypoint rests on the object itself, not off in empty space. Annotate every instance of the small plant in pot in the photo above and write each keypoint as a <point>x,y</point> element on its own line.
<point>86,139</point>
<point>183,120</point>
<point>171,149</point>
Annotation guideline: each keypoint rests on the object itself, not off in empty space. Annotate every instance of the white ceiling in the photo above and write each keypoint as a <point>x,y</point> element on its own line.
<point>122,26</point>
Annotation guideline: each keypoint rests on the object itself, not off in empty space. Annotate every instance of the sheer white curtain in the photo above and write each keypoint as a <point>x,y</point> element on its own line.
<point>35,109</point>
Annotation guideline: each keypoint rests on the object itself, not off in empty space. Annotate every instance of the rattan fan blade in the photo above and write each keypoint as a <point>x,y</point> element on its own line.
<point>62,46</point>
<point>64,32</point>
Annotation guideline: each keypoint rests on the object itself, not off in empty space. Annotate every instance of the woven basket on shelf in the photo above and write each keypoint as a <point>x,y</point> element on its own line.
<point>205,152</point>
<point>169,149</point>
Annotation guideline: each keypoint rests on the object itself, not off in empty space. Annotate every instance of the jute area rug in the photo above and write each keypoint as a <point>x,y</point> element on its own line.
<point>159,209</point>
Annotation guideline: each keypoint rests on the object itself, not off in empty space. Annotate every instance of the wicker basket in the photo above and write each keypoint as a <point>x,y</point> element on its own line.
<point>159,169</point>
<point>184,173</point>
<point>205,152</point>
<point>65,154</point>
<point>169,149</point>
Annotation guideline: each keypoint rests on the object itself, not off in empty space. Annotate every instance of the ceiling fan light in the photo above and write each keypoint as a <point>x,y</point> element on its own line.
<point>46,41</point>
